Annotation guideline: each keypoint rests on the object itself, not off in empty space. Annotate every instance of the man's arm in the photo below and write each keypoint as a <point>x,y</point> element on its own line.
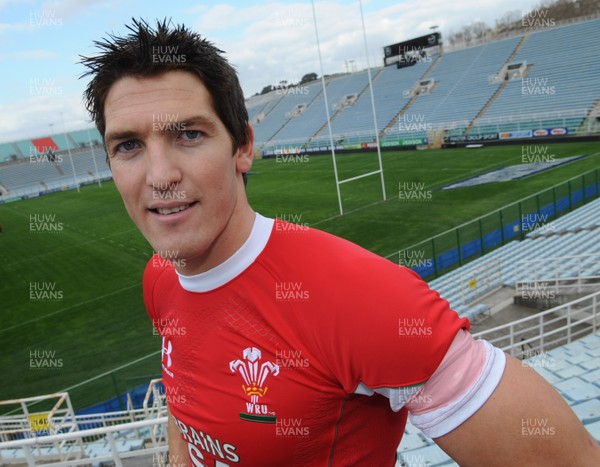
<point>178,453</point>
<point>524,422</point>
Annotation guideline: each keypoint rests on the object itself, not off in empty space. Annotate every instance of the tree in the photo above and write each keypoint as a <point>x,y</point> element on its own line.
<point>308,77</point>
<point>508,21</point>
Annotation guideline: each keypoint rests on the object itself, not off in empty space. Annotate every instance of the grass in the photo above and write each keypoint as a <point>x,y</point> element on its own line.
<point>95,256</point>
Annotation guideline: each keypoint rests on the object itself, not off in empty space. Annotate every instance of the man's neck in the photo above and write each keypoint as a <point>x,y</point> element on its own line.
<point>236,264</point>
<point>233,236</point>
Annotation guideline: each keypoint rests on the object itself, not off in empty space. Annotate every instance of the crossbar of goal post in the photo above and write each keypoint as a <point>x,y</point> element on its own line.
<point>339,182</point>
<point>351,179</point>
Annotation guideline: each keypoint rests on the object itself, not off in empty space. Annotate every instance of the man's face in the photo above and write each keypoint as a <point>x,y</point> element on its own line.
<point>173,162</point>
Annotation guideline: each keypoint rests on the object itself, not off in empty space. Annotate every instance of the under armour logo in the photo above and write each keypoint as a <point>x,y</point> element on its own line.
<point>167,350</point>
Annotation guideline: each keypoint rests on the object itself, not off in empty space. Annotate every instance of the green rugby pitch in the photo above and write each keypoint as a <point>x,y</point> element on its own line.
<point>74,292</point>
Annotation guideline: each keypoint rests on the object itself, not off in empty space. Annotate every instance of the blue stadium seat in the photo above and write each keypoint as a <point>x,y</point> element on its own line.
<point>594,430</point>
<point>429,455</point>
<point>553,65</point>
<point>588,411</point>
<point>411,441</point>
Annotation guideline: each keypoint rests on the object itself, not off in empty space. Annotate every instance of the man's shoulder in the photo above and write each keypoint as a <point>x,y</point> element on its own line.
<point>325,251</point>
<point>311,238</point>
<point>339,272</point>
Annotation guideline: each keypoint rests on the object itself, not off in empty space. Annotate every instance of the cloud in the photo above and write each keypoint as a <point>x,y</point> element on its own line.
<point>50,14</point>
<point>34,116</point>
<point>218,18</point>
<point>277,40</point>
<point>4,3</point>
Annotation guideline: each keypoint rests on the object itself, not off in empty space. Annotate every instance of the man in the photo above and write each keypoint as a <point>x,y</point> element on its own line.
<point>299,348</point>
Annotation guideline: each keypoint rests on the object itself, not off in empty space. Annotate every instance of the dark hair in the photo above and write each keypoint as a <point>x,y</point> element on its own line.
<point>150,52</point>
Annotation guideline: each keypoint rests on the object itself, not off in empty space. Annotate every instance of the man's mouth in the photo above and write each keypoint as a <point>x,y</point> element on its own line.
<point>172,210</point>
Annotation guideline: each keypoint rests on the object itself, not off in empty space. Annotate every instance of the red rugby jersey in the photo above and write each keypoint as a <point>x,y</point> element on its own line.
<point>262,355</point>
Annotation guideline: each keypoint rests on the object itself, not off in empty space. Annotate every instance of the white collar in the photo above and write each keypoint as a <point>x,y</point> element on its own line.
<point>235,264</point>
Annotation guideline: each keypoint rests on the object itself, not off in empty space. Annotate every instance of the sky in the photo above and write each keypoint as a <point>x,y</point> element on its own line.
<point>267,42</point>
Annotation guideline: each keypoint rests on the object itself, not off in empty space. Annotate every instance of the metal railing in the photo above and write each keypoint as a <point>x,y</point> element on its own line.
<point>548,329</point>
<point>58,419</point>
<point>480,282</point>
<point>60,448</point>
<point>31,445</point>
<point>159,405</point>
<point>556,274</point>
<point>536,116</point>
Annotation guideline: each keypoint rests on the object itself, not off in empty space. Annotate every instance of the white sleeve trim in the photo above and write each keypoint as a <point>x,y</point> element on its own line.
<point>397,396</point>
<point>443,420</point>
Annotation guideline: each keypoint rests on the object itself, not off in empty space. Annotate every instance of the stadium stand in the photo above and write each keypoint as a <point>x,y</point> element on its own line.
<point>281,113</point>
<point>563,253</point>
<point>24,148</point>
<point>562,75</point>
<point>462,87</point>
<point>260,105</point>
<point>62,438</point>
<point>311,120</point>
<point>42,173</point>
<point>44,145</point>
<point>574,371</point>
<point>586,217</point>
<point>389,84</point>
<point>468,94</point>
<point>43,165</point>
<point>574,368</point>
<point>25,175</point>
<point>83,138</point>
<point>7,152</point>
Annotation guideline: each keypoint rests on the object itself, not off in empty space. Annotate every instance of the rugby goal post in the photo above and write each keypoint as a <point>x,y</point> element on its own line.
<point>339,182</point>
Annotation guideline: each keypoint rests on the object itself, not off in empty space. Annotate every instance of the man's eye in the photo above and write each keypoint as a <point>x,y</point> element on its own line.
<point>127,146</point>
<point>191,135</point>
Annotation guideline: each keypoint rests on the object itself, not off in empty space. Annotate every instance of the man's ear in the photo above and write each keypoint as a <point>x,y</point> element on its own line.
<point>245,153</point>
